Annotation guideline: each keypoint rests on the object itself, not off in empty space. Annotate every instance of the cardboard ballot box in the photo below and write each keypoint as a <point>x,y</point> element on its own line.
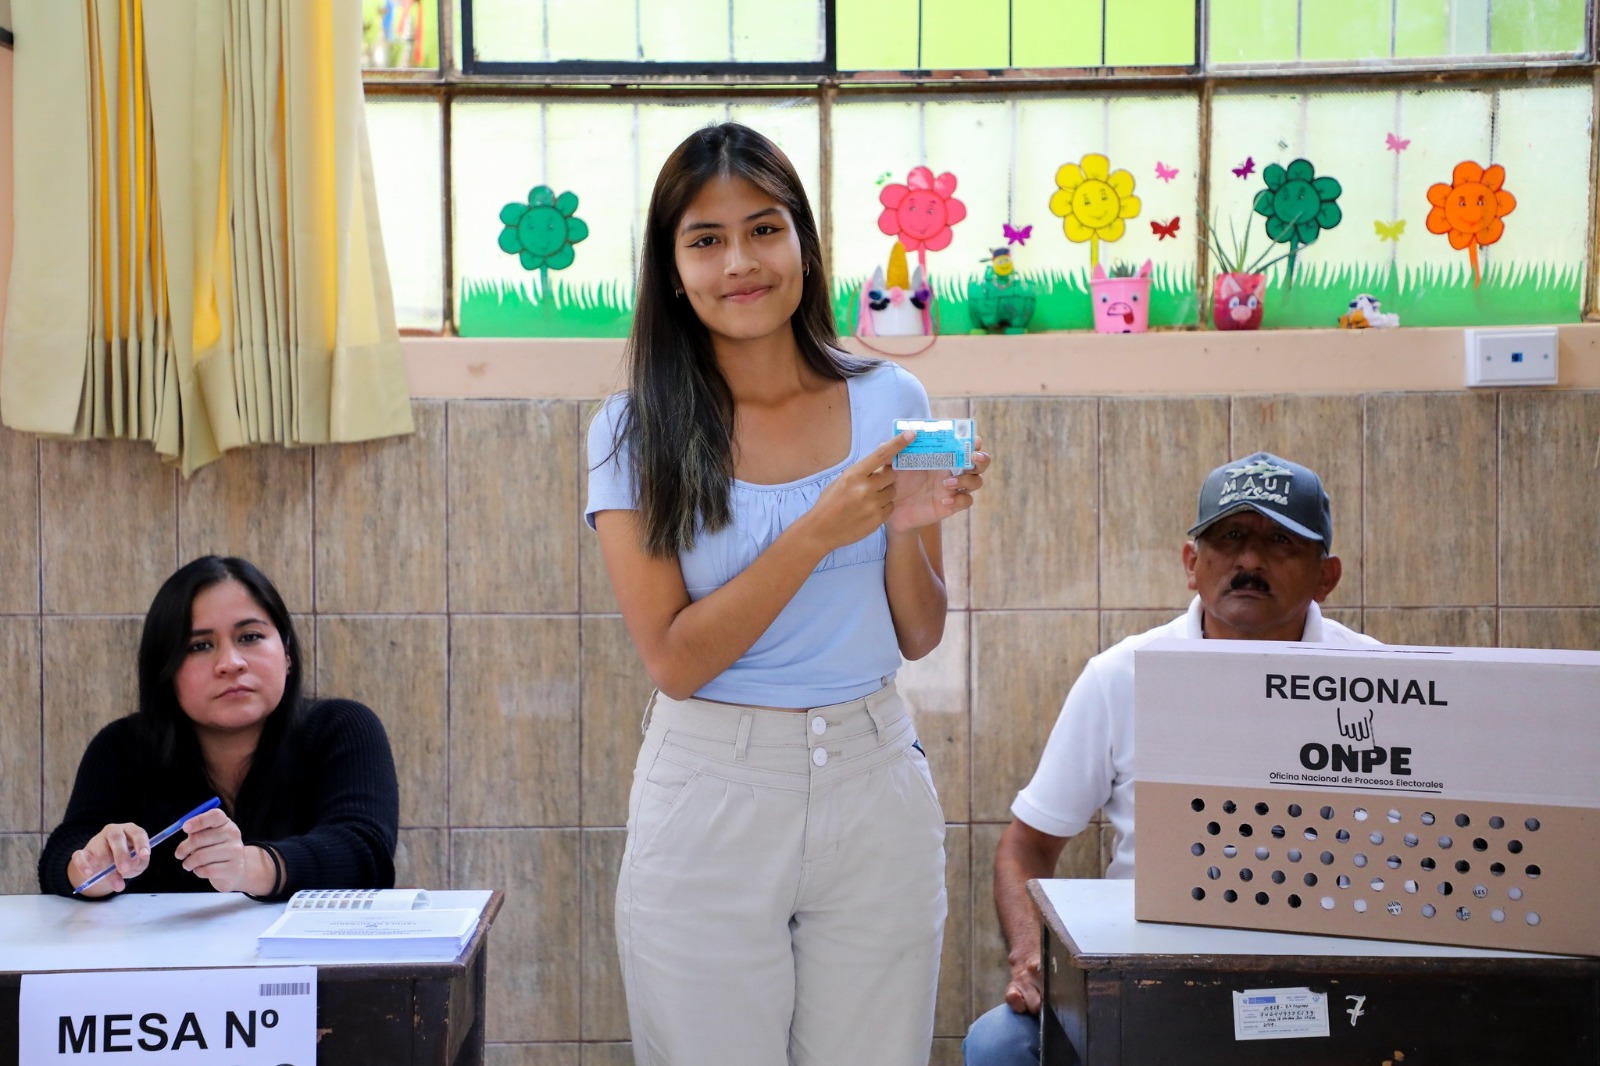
<point>1440,795</point>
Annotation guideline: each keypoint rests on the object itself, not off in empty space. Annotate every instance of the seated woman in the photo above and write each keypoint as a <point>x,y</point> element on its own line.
<point>308,789</point>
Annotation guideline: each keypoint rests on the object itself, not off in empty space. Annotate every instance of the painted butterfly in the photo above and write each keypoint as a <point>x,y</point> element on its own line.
<point>1164,230</point>
<point>1164,172</point>
<point>1398,144</point>
<point>1389,231</point>
<point>1016,236</point>
<point>1245,169</point>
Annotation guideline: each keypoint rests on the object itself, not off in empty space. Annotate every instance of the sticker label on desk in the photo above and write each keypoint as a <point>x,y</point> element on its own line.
<point>1279,1013</point>
<point>255,1016</point>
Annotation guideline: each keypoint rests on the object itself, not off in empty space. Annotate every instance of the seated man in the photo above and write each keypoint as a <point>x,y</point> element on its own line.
<point>1259,563</point>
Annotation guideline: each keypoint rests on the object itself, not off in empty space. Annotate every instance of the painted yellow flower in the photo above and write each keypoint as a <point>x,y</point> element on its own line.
<point>1092,201</point>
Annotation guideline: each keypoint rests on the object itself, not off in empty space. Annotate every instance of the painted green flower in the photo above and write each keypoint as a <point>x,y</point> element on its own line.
<point>542,231</point>
<point>1298,205</point>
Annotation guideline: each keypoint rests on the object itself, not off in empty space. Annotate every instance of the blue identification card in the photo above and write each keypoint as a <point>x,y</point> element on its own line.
<point>941,444</point>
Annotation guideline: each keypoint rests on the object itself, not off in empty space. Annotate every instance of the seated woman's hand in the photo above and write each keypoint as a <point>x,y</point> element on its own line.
<point>123,845</point>
<point>214,850</point>
<point>923,497</point>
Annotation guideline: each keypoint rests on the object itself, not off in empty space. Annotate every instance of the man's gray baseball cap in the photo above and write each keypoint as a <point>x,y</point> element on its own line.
<point>1288,493</point>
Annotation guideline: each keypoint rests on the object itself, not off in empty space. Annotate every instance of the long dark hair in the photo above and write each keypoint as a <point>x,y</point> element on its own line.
<point>679,421</point>
<point>167,731</point>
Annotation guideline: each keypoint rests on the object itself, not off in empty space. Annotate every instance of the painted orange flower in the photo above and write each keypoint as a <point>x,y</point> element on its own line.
<point>1471,209</point>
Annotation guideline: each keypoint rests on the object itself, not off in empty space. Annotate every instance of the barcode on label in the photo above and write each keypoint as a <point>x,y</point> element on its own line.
<point>925,460</point>
<point>290,988</point>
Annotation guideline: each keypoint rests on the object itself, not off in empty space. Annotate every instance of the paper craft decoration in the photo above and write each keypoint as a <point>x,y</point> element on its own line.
<point>1092,202</point>
<point>1397,144</point>
<point>1471,210</point>
<point>896,304</point>
<point>1245,169</point>
<point>921,212</point>
<point>1121,301</point>
<point>1389,231</point>
<point>542,231</point>
<point>1163,230</point>
<point>1164,172</point>
<point>1016,236</point>
<point>1297,205</point>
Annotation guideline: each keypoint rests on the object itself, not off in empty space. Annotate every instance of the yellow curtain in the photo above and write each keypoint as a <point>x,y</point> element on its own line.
<point>197,260</point>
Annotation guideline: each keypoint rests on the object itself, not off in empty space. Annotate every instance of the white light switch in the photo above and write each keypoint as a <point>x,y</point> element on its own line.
<point>1499,357</point>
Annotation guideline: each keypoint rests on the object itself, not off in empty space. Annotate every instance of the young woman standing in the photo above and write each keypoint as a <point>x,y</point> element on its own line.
<point>782,894</point>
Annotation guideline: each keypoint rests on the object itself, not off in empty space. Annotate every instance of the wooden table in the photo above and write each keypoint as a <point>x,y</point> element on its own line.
<point>373,1012</point>
<point>1121,991</point>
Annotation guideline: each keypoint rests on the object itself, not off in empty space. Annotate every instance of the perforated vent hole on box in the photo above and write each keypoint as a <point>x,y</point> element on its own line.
<point>1327,814</point>
<point>1343,880</point>
<point>1533,917</point>
<point>1375,838</point>
<point>1410,840</point>
<point>1245,830</point>
<point>1229,851</point>
<point>1229,895</point>
<point>1213,828</point>
<point>1294,901</point>
<point>1360,814</point>
<point>1462,866</point>
<point>1427,862</point>
<point>1246,874</point>
<point>1278,877</point>
<point>1463,913</point>
<point>1496,822</point>
<point>1278,832</point>
<point>1394,816</point>
<point>1263,854</point>
<point>1532,872</point>
<point>1497,868</point>
<point>1262,809</point>
<point>1377,884</point>
<point>1326,858</point>
<point>1446,888</point>
<point>1294,854</point>
<point>1197,849</point>
<point>1342,836</point>
<point>1497,915</point>
<point>1197,892</point>
<point>1311,833</point>
<point>1532,825</point>
<point>1359,859</point>
<point>1480,891</point>
<point>1480,844</point>
<point>1429,910</point>
<point>1360,905</point>
<point>1294,810</point>
<point>1214,872</point>
<point>1427,818</point>
<point>1514,847</point>
<point>1445,843</point>
<point>1197,804</point>
<point>1393,862</point>
<point>1514,893</point>
<point>1462,821</point>
<point>1310,880</point>
<point>1228,806</point>
<point>1261,898</point>
<point>1411,887</point>
<point>1327,903</point>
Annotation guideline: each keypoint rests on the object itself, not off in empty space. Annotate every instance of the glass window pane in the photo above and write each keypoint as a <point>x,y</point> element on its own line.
<point>1410,141</point>
<point>684,31</point>
<point>877,34</point>
<point>400,34</point>
<point>1005,155</point>
<point>1150,33</point>
<point>608,155</point>
<point>1055,33</point>
<point>407,172</point>
<point>1292,31</point>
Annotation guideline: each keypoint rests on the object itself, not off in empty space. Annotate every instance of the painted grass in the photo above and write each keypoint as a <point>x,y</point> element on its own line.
<point>498,308</point>
<point>1427,296</point>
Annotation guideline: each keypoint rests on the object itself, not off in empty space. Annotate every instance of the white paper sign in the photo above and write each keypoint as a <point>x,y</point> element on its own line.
<point>1276,1013</point>
<point>242,1017</point>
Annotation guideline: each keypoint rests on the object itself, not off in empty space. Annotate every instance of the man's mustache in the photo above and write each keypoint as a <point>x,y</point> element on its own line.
<point>1254,582</point>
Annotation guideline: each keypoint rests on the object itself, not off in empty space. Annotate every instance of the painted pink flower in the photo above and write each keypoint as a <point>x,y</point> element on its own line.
<point>921,211</point>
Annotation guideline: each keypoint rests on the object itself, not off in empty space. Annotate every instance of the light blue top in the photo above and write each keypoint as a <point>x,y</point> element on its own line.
<point>834,641</point>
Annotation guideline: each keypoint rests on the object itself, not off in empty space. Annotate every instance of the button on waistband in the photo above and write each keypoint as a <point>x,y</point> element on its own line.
<point>819,725</point>
<point>819,755</point>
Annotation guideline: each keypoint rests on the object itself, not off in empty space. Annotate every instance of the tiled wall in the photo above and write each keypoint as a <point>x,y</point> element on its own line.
<point>446,580</point>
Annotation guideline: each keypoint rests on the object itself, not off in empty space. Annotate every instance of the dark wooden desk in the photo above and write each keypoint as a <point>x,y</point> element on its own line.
<point>1120,991</point>
<point>382,1013</point>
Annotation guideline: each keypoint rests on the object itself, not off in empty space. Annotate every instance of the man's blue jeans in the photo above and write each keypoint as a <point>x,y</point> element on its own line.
<point>1002,1037</point>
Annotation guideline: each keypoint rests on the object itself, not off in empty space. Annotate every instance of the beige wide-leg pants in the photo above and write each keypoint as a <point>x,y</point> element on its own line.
<point>782,893</point>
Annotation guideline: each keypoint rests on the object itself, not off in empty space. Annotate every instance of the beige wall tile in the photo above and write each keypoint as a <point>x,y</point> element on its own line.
<point>1034,525</point>
<point>1323,433</point>
<point>605,1008</point>
<point>990,971</point>
<point>21,728</point>
<point>535,941</point>
<point>19,523</point>
<point>1429,506</point>
<point>1549,498</point>
<point>1550,627</point>
<point>935,688</point>
<point>594,584</point>
<point>955,968</point>
<point>513,545</point>
<point>1154,453</point>
<point>513,720</point>
<point>253,502</point>
<point>1350,617</point>
<point>1115,626</point>
<point>1440,627</point>
<point>19,863</point>
<point>109,526</point>
<point>615,690</point>
<point>608,1055</point>
<point>422,859</point>
<point>397,666</point>
<point>89,679</point>
<point>533,1054</point>
<point>380,520</point>
<point>1023,663</point>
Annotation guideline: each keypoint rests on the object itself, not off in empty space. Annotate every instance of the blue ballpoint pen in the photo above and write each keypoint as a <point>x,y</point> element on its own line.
<point>158,838</point>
